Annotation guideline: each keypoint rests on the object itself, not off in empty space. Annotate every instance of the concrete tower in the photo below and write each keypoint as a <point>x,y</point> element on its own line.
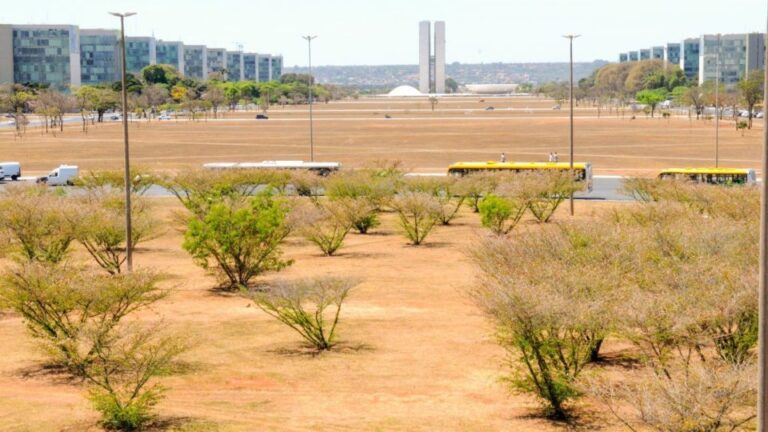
<point>432,64</point>
<point>425,56</point>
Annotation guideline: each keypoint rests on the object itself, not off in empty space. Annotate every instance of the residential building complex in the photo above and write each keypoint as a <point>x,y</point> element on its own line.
<point>432,57</point>
<point>734,55</point>
<point>65,56</point>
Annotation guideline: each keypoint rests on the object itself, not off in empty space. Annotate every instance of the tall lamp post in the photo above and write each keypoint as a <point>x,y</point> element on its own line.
<point>570,38</point>
<point>311,132</point>
<point>762,362</point>
<point>717,103</point>
<point>128,230</point>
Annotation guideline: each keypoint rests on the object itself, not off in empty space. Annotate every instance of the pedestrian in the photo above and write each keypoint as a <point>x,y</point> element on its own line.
<point>551,157</point>
<point>555,157</point>
<point>503,157</point>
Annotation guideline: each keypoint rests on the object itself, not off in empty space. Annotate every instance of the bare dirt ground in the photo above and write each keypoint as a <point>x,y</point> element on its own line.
<point>355,132</point>
<point>417,355</point>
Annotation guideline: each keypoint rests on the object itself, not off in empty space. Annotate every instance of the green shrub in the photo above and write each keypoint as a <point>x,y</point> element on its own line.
<point>239,239</point>
<point>501,214</point>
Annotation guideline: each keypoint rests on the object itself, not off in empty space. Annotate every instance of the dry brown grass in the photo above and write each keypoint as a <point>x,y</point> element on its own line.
<point>416,355</point>
<point>355,132</point>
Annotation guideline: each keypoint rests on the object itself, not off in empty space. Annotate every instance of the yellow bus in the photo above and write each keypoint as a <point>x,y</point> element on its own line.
<point>583,170</point>
<point>716,176</point>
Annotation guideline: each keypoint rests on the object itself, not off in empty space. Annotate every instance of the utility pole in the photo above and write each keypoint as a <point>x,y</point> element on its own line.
<point>311,81</point>
<point>128,228</point>
<point>717,104</point>
<point>762,361</point>
<point>570,38</point>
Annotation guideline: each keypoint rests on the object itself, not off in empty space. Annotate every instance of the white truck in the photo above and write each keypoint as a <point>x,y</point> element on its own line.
<point>321,168</point>
<point>64,175</point>
<point>10,170</point>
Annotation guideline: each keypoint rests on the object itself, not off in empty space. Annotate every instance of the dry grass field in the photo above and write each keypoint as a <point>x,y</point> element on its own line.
<point>354,132</point>
<point>416,353</point>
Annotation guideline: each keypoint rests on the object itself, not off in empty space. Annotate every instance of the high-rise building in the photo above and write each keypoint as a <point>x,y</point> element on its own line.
<point>250,67</point>
<point>196,61</point>
<point>737,54</point>
<point>140,52</point>
<point>264,67</point>
<point>217,61</point>
<point>234,65</point>
<point>99,56</point>
<point>634,56</point>
<point>672,53</point>
<point>657,53</point>
<point>432,58</point>
<point>623,58</point>
<point>41,54</point>
<point>170,53</point>
<point>645,54</point>
<point>689,58</point>
<point>276,65</point>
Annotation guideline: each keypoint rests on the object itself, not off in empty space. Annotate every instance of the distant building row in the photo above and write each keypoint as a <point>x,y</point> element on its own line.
<point>65,56</point>
<point>698,57</point>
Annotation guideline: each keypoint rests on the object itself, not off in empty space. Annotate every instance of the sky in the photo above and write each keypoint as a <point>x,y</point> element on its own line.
<point>377,32</point>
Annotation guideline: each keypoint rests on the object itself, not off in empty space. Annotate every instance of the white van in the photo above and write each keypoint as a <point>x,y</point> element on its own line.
<point>10,169</point>
<point>64,175</point>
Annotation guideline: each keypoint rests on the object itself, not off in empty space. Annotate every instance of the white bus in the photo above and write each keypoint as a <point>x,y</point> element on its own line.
<point>321,168</point>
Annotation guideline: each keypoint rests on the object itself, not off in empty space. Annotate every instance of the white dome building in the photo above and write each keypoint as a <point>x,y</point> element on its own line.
<point>405,90</point>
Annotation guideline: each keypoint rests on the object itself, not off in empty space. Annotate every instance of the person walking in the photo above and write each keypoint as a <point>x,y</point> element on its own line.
<point>551,157</point>
<point>555,157</point>
<point>503,157</point>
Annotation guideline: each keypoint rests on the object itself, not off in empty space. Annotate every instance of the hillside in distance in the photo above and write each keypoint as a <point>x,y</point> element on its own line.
<point>390,76</point>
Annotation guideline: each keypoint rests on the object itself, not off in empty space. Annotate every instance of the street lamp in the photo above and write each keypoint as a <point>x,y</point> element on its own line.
<point>762,361</point>
<point>128,230</point>
<point>570,38</point>
<point>311,132</point>
<point>717,100</point>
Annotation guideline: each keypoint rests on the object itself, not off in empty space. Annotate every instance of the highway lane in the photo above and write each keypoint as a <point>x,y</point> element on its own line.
<point>605,188</point>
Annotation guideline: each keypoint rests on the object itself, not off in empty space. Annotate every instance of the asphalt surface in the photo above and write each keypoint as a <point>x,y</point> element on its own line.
<point>605,188</point>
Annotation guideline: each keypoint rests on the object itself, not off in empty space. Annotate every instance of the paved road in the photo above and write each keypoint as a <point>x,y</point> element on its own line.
<point>605,188</point>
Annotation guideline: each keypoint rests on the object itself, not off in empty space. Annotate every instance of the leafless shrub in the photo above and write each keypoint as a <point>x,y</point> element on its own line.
<point>544,192</point>
<point>311,307</point>
<point>327,225</point>
<point>378,190</point>
<point>474,187</point>
<point>141,180</point>
<point>443,190</point>
<point>417,213</point>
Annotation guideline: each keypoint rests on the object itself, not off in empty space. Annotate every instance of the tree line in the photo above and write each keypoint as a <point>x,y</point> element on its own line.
<point>156,89</point>
<point>651,82</point>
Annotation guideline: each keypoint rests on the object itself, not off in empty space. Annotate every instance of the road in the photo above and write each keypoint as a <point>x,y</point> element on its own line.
<point>605,188</point>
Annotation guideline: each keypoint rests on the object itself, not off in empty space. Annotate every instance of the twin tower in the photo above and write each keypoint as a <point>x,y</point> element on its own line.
<point>432,60</point>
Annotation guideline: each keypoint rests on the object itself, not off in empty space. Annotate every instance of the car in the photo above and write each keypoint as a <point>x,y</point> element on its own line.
<point>490,108</point>
<point>261,117</point>
<point>556,107</point>
<point>114,117</point>
<point>759,115</point>
<point>11,170</point>
<point>164,117</point>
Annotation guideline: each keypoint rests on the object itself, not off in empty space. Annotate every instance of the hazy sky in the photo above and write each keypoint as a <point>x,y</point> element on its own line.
<point>386,31</point>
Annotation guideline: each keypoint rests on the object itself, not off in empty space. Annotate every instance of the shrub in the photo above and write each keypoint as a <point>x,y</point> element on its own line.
<point>501,214</point>
<point>548,296</point>
<point>72,311</point>
<point>362,214</point>
<point>442,189</point>
<point>473,187</point>
<point>307,184</point>
<point>141,180</point>
<point>122,375</point>
<point>240,238</point>
<point>39,224</point>
<point>327,226</point>
<point>545,192</point>
<point>304,306</point>
<point>377,190</point>
<point>101,228</point>
<point>417,213</point>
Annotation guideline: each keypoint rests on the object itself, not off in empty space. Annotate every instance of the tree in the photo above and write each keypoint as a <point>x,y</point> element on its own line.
<point>160,74</point>
<point>690,96</point>
<point>651,98</point>
<point>156,95</point>
<point>451,86</point>
<point>215,96</point>
<point>132,83</point>
<point>751,89</point>
<point>239,239</point>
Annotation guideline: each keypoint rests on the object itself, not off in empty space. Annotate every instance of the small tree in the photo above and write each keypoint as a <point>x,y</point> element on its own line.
<point>240,239</point>
<point>545,192</point>
<point>40,224</point>
<point>651,98</point>
<point>443,190</point>
<point>751,89</point>
<point>123,373</point>
<point>327,225</point>
<point>74,312</point>
<point>474,187</point>
<point>417,212</point>
<point>288,303</point>
<point>501,214</point>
